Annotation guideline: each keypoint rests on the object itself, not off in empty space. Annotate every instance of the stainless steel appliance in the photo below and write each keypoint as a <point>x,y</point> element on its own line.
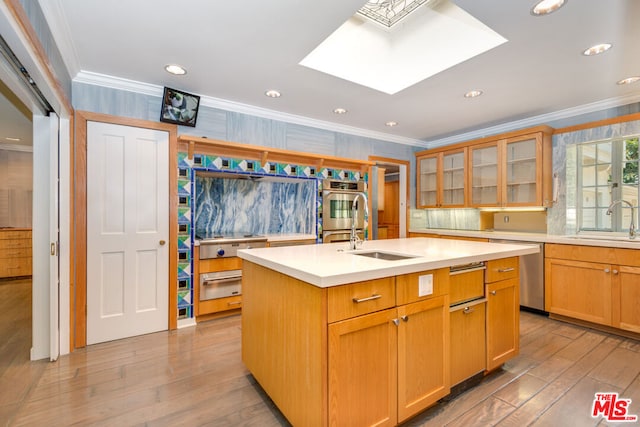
<point>531,276</point>
<point>225,283</point>
<point>337,203</point>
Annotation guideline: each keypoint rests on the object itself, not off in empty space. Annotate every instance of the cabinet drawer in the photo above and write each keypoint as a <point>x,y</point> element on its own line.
<point>14,244</point>
<point>356,299</point>
<point>15,234</point>
<point>13,267</point>
<point>408,286</point>
<point>15,253</point>
<point>501,269</point>
<point>219,304</point>
<point>466,285</point>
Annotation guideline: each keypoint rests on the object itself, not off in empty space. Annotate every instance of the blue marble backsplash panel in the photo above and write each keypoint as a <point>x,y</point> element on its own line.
<point>262,206</point>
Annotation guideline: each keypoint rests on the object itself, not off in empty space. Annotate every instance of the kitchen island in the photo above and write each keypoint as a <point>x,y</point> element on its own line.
<point>340,337</point>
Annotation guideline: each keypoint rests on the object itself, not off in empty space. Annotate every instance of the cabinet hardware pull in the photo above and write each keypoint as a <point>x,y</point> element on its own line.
<point>396,322</point>
<point>493,292</point>
<point>505,270</point>
<point>615,271</point>
<point>468,310</point>
<point>234,303</point>
<point>405,318</point>
<point>372,297</point>
<point>606,270</point>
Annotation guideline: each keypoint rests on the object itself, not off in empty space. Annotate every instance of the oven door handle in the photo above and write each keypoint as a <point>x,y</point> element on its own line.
<point>329,192</point>
<point>207,282</point>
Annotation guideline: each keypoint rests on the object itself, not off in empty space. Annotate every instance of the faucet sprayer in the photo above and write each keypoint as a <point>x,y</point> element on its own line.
<point>354,208</point>
<point>632,227</point>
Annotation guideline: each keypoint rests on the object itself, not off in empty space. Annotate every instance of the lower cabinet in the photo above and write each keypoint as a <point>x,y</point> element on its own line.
<point>15,252</point>
<point>595,284</point>
<point>468,340</point>
<point>503,322</point>
<point>386,366</point>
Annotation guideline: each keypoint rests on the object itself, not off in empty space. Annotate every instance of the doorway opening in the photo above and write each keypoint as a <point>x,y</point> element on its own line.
<point>390,195</point>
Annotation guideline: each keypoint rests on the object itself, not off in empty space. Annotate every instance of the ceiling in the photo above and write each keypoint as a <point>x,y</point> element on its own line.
<point>236,50</point>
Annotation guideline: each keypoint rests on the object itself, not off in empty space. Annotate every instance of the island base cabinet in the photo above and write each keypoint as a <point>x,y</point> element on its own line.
<point>387,366</point>
<point>362,370</point>
<point>468,341</point>
<point>503,322</point>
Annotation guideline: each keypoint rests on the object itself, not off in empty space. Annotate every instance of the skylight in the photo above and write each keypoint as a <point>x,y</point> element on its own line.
<point>436,35</point>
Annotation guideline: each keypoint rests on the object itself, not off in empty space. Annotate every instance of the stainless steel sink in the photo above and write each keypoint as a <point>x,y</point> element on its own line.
<point>388,256</point>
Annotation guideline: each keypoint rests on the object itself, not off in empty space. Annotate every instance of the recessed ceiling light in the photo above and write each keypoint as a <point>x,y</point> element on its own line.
<point>340,111</point>
<point>391,124</point>
<point>545,7</point>
<point>175,69</point>
<point>596,49</point>
<point>273,93</point>
<point>628,80</point>
<point>473,94</point>
<point>8,138</point>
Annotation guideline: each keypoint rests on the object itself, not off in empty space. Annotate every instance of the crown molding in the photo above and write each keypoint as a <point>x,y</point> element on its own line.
<point>537,120</point>
<point>97,79</point>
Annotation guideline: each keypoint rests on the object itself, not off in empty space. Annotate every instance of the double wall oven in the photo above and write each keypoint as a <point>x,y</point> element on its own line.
<point>337,201</point>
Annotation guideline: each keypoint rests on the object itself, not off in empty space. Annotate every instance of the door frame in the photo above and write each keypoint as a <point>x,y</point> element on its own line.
<point>407,164</point>
<point>79,291</point>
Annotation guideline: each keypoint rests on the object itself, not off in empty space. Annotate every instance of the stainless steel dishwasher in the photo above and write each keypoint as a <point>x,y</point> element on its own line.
<point>531,275</point>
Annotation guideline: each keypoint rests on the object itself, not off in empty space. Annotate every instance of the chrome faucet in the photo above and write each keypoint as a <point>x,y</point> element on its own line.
<point>353,241</point>
<point>632,227</point>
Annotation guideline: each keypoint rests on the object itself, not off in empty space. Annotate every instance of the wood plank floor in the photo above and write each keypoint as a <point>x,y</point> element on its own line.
<point>194,376</point>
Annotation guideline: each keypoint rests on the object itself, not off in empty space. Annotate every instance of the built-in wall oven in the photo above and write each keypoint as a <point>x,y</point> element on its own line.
<point>337,201</point>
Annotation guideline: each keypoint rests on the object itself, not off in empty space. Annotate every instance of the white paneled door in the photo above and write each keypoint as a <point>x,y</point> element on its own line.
<point>127,231</point>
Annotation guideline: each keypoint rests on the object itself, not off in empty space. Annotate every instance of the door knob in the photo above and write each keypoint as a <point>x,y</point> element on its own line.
<point>162,242</point>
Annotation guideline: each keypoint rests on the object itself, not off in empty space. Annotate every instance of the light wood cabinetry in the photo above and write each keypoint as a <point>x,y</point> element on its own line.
<point>441,179</point>
<point>468,340</point>
<point>507,170</point>
<point>15,253</point>
<point>503,311</point>
<point>594,284</point>
<point>293,242</point>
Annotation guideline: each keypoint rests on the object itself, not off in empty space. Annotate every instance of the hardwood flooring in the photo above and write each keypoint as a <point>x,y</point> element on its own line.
<point>194,376</point>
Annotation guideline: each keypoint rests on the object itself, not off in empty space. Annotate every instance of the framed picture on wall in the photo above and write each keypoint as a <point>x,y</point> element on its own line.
<point>180,108</point>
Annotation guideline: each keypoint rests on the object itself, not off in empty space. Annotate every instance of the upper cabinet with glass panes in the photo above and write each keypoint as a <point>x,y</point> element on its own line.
<point>441,179</point>
<point>508,170</point>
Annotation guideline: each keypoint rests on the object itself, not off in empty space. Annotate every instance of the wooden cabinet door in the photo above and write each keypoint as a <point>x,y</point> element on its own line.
<point>503,318</point>
<point>523,171</point>
<point>428,179</point>
<point>423,355</point>
<point>468,345</point>
<point>454,166</point>
<point>363,370</point>
<point>484,175</point>
<point>627,280</point>
<point>578,289</point>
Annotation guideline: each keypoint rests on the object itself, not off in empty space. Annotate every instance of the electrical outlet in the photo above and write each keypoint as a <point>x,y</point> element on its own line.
<point>505,219</point>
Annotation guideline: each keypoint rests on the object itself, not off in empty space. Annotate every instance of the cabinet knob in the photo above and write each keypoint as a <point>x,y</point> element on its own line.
<point>493,292</point>
<point>615,271</point>
<point>396,322</point>
<point>468,310</point>
<point>606,270</point>
<point>405,318</point>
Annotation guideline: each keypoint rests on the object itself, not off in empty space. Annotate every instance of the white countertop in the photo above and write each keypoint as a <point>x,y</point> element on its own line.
<point>333,264</point>
<point>289,237</point>
<point>613,240</point>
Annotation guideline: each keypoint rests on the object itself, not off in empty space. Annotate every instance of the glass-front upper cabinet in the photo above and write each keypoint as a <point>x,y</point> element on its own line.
<point>485,175</point>
<point>512,172</point>
<point>428,181</point>
<point>441,179</point>
<point>523,174</point>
